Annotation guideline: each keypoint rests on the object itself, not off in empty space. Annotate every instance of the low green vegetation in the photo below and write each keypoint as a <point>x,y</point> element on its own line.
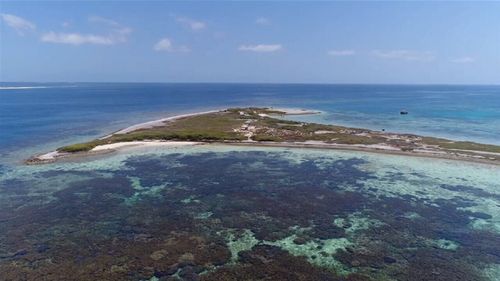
<point>284,130</point>
<point>461,145</point>
<point>207,127</point>
<point>265,137</point>
<point>80,147</point>
<point>259,124</point>
<point>212,122</point>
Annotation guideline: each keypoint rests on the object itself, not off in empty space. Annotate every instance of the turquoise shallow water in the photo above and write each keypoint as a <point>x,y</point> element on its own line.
<point>217,211</point>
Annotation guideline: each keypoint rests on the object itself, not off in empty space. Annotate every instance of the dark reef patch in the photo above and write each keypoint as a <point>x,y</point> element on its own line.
<point>471,190</point>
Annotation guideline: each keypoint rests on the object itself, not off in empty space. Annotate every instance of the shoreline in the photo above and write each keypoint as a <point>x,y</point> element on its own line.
<point>117,147</point>
<point>161,121</point>
<point>158,122</point>
<point>54,156</point>
<point>457,155</point>
<point>342,147</point>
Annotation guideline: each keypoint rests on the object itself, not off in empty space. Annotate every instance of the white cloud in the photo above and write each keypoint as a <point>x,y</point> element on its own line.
<point>98,19</point>
<point>116,33</point>
<point>409,55</point>
<point>76,38</point>
<point>165,44</point>
<point>341,53</point>
<point>261,48</point>
<point>191,23</point>
<point>19,24</point>
<point>262,21</point>
<point>464,60</point>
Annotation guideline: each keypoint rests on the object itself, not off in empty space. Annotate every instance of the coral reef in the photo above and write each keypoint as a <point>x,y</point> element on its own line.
<point>242,215</point>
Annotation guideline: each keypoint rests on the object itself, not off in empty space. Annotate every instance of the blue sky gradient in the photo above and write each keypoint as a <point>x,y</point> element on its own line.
<point>289,42</point>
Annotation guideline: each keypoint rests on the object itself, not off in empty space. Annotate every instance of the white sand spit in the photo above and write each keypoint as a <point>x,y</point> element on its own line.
<point>118,145</point>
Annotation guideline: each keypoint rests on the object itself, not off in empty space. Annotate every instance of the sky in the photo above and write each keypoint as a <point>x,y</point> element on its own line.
<point>268,42</point>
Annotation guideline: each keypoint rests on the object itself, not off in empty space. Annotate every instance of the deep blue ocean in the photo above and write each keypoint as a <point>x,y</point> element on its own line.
<point>49,115</point>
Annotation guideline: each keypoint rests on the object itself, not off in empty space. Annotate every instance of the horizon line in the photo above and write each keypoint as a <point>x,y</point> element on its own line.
<point>265,83</point>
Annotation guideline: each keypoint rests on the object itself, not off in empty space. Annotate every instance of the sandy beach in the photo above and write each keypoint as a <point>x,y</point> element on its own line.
<point>120,145</point>
<point>108,148</point>
<point>157,123</point>
<point>460,155</point>
<point>371,149</point>
<point>296,111</point>
<point>114,147</point>
<point>162,121</point>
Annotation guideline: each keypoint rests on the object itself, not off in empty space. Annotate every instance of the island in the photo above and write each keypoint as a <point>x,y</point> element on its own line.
<point>265,126</point>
